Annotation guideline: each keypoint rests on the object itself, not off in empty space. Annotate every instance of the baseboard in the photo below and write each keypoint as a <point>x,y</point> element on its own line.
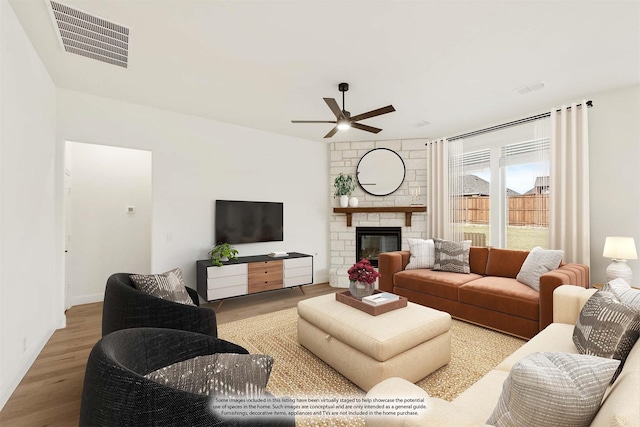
<point>87,299</point>
<point>12,383</point>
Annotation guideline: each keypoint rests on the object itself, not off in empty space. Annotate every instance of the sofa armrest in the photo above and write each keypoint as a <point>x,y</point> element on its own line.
<point>435,412</point>
<point>567,274</point>
<point>389,263</point>
<point>568,301</point>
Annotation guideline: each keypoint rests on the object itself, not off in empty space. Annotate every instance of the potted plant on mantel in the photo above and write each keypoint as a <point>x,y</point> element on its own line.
<point>222,252</point>
<point>344,185</point>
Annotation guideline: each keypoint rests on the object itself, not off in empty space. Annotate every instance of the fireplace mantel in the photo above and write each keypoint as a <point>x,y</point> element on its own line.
<point>408,210</point>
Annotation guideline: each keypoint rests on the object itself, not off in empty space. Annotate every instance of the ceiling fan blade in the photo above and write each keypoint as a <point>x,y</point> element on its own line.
<point>312,121</point>
<point>373,113</point>
<point>365,127</point>
<point>332,132</point>
<point>335,108</point>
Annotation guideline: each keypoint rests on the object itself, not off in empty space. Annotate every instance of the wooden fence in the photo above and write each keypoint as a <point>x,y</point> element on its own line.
<point>530,210</point>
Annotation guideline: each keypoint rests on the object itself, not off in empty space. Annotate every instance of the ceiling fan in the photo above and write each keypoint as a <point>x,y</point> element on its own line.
<point>344,120</point>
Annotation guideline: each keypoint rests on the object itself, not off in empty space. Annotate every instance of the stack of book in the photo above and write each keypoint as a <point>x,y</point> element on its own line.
<point>380,298</point>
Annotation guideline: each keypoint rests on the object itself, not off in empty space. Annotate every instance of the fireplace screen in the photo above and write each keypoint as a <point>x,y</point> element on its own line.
<point>371,241</point>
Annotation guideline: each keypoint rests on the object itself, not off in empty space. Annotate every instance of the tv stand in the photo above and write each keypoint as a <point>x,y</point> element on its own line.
<point>252,274</point>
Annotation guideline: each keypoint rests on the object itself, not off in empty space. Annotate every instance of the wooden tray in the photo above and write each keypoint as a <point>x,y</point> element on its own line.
<point>345,297</point>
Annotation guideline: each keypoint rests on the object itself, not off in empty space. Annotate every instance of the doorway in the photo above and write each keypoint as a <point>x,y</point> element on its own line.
<point>108,205</point>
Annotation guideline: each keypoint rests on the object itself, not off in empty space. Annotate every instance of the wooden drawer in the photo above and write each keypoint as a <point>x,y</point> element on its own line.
<point>265,276</point>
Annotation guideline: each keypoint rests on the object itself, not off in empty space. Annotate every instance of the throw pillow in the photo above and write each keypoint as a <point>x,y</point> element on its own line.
<point>168,286</point>
<point>538,262</point>
<point>553,389</point>
<point>624,291</point>
<point>606,327</point>
<point>422,254</point>
<point>452,256</point>
<point>220,374</point>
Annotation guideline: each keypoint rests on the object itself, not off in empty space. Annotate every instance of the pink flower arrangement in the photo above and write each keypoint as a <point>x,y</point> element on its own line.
<point>363,271</point>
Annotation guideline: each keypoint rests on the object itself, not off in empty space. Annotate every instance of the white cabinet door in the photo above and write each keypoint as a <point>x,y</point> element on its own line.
<point>227,281</point>
<point>298,271</point>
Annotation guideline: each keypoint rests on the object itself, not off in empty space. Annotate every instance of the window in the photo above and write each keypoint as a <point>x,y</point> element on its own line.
<point>505,189</point>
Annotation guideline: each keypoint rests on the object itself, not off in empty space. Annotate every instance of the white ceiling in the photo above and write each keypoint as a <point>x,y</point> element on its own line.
<point>263,63</point>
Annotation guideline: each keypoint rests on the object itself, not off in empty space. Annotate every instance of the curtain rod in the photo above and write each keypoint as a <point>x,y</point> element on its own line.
<point>513,123</point>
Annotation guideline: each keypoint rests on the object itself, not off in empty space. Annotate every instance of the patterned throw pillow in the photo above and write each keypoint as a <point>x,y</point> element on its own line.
<point>538,262</point>
<point>452,256</point>
<point>606,327</point>
<point>220,374</point>
<point>168,286</point>
<point>553,389</point>
<point>624,291</point>
<point>422,254</point>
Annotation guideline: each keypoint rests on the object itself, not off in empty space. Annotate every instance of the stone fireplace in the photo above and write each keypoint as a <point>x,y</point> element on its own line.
<point>371,241</point>
<point>344,158</point>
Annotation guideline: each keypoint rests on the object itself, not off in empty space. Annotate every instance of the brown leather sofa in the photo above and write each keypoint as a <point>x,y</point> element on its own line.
<point>489,296</point>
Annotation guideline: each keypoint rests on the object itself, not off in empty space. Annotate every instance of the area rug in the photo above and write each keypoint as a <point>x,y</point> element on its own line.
<point>297,372</point>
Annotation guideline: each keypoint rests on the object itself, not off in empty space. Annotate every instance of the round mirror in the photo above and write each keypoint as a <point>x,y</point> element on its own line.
<point>380,172</point>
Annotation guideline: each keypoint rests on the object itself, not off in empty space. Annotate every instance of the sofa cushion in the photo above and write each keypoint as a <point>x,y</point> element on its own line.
<point>478,259</point>
<point>607,327</point>
<point>452,256</point>
<point>620,405</point>
<point>501,294</point>
<point>555,337</point>
<point>505,262</point>
<point>538,262</point>
<point>480,399</point>
<point>437,412</point>
<point>222,374</point>
<point>553,389</point>
<point>441,284</point>
<point>422,254</point>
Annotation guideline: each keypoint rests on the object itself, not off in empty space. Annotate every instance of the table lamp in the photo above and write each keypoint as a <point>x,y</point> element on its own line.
<point>619,249</point>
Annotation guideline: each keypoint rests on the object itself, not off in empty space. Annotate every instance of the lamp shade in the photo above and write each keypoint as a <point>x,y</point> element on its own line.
<point>620,248</point>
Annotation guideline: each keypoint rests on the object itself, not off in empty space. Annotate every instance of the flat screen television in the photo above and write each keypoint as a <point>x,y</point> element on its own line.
<point>239,221</point>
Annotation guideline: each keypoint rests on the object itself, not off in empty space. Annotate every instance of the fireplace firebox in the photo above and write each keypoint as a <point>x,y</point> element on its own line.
<point>371,241</point>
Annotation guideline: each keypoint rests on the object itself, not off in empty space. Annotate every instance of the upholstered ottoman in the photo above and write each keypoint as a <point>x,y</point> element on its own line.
<point>409,342</point>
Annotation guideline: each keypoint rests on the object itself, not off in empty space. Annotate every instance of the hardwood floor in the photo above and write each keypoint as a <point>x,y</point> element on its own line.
<point>50,392</point>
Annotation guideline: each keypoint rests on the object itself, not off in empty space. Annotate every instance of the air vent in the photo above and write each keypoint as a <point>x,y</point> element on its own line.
<point>90,36</point>
<point>523,90</point>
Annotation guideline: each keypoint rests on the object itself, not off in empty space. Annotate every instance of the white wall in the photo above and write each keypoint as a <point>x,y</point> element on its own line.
<point>31,291</point>
<point>195,162</point>
<point>614,152</point>
<point>104,237</point>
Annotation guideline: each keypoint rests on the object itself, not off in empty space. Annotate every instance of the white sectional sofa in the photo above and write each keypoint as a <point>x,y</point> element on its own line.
<point>620,406</point>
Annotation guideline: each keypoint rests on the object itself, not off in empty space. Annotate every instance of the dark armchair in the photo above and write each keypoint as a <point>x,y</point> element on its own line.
<point>127,307</point>
<point>116,393</point>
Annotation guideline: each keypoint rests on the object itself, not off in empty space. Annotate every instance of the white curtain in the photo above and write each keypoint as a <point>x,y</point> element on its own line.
<point>569,189</point>
<point>444,186</point>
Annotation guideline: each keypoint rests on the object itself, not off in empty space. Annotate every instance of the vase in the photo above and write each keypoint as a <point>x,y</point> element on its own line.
<point>361,289</point>
<point>344,201</point>
<point>353,202</point>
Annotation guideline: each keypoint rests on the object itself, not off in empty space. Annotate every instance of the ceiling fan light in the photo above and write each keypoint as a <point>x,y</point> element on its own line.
<point>343,124</point>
